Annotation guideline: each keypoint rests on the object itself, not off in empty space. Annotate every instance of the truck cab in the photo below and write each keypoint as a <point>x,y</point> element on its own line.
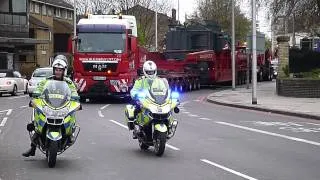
<point>106,55</point>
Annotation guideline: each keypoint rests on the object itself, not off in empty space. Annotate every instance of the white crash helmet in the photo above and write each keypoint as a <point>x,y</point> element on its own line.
<point>60,62</point>
<point>150,69</point>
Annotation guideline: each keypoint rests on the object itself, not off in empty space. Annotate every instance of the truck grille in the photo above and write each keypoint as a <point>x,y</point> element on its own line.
<point>100,66</point>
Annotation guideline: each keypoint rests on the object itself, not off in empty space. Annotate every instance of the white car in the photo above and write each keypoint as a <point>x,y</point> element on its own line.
<point>12,82</point>
<point>37,76</point>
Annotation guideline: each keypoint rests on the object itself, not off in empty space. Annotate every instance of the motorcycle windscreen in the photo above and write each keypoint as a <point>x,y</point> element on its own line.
<point>56,93</point>
<point>159,91</point>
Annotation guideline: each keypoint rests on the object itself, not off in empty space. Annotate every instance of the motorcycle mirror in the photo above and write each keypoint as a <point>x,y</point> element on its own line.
<point>30,104</point>
<point>176,110</point>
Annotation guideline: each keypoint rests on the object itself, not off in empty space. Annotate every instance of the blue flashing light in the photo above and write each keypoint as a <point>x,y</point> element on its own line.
<point>175,95</point>
<point>142,95</point>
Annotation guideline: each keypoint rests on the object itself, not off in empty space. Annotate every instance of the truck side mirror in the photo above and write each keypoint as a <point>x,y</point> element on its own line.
<point>134,43</point>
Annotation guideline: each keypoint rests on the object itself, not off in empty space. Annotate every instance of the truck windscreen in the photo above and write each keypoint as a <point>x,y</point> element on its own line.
<point>106,42</point>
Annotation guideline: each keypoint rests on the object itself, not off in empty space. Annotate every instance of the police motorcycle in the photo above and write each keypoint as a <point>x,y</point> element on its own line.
<point>151,117</point>
<point>53,118</point>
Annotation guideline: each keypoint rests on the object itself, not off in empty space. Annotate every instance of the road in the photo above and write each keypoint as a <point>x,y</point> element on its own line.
<point>211,142</point>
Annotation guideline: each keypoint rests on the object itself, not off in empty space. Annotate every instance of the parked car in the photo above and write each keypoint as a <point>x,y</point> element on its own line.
<point>12,82</point>
<point>37,76</point>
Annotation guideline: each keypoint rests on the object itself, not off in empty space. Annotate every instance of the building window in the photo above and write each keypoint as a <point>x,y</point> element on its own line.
<point>49,11</point>
<point>44,10</point>
<point>70,14</point>
<point>57,12</point>
<point>65,14</point>
<point>19,6</point>
<point>37,8</point>
<point>31,7</point>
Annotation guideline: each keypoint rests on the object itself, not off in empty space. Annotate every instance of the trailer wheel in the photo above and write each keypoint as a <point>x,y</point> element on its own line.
<point>189,86</point>
<point>198,85</point>
<point>194,85</point>
<point>180,87</point>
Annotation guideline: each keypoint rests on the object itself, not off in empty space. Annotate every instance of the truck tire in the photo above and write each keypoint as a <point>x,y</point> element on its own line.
<point>82,99</point>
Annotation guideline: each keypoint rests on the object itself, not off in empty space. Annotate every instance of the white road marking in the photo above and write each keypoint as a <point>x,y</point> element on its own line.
<point>270,133</point>
<point>103,107</point>
<point>18,97</point>
<point>228,169</point>
<point>186,112</point>
<point>193,115</point>
<point>23,107</point>
<point>121,125</point>
<point>9,112</point>
<point>313,124</point>
<point>115,122</point>
<point>206,119</point>
<point>3,122</point>
<point>172,147</point>
<point>184,103</point>
<point>100,114</point>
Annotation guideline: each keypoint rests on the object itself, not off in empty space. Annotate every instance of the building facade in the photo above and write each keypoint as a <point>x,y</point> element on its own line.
<point>51,20</point>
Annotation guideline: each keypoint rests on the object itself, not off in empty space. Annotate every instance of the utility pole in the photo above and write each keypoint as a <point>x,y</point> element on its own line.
<point>179,11</point>
<point>156,24</point>
<point>233,51</point>
<point>74,25</point>
<point>254,54</point>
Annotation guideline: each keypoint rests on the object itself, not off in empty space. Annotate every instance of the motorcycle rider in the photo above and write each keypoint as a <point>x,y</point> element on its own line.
<point>59,70</point>
<point>144,83</point>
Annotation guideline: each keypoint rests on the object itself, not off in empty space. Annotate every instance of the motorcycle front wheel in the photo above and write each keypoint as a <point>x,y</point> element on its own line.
<point>160,143</point>
<point>52,153</point>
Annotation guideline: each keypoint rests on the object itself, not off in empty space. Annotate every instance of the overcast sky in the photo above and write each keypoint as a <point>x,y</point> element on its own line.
<point>188,6</point>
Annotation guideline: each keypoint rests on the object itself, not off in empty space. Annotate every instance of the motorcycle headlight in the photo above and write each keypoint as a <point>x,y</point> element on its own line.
<point>55,113</point>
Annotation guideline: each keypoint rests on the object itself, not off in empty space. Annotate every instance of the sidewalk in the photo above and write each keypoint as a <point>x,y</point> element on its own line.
<point>268,101</point>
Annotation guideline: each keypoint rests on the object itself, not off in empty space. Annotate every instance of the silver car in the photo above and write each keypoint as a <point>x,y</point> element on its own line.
<point>12,82</point>
<point>37,76</point>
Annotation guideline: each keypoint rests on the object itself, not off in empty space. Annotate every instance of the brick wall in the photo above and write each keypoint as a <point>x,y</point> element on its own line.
<point>298,88</point>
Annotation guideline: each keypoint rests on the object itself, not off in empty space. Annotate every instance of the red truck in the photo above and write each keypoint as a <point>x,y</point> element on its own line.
<point>200,56</point>
<point>106,56</point>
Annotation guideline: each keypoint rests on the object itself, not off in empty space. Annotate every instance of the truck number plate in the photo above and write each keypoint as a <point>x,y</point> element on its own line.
<point>99,78</point>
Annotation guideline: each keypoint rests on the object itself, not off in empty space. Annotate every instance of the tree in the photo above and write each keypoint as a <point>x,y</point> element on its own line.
<point>143,10</point>
<point>268,43</point>
<point>220,12</point>
<point>92,6</point>
<point>305,13</point>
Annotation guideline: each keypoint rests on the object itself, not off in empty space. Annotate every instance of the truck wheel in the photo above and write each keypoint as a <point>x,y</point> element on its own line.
<point>82,99</point>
